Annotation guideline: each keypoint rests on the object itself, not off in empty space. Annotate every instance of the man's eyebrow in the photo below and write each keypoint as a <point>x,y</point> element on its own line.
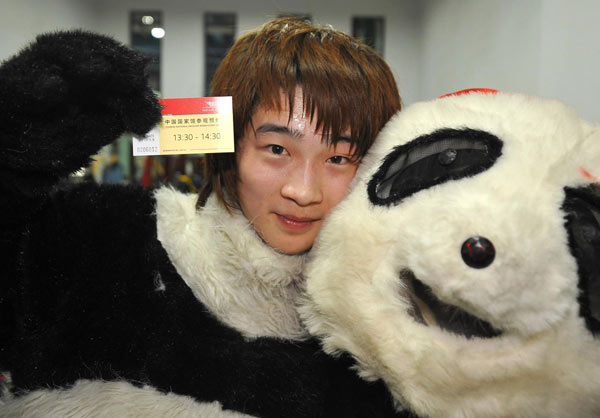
<point>344,138</point>
<point>279,129</point>
<point>293,133</point>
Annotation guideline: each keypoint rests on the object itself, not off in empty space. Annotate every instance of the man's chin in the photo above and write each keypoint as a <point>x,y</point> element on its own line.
<point>294,244</point>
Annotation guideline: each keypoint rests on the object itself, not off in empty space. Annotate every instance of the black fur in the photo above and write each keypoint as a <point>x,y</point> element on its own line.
<point>582,215</point>
<point>61,99</point>
<point>413,167</point>
<point>87,291</point>
<point>89,304</point>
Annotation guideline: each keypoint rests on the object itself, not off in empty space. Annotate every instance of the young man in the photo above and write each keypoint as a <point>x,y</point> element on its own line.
<point>307,103</point>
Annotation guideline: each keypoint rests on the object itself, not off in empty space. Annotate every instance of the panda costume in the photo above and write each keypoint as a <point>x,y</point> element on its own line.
<point>471,282</point>
<point>117,301</point>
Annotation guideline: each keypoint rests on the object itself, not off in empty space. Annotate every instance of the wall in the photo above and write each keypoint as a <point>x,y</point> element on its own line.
<point>548,48</point>
<point>183,47</point>
<point>474,43</point>
<point>569,54</point>
<point>21,20</point>
<point>543,47</point>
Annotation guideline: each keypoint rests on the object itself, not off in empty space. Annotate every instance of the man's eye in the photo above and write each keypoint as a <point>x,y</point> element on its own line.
<point>444,155</point>
<point>276,149</point>
<point>338,159</point>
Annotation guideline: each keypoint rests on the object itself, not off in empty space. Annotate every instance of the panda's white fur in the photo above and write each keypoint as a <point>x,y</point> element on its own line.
<point>545,363</point>
<point>98,399</point>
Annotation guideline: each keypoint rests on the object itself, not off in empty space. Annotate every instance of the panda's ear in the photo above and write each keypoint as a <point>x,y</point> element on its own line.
<point>447,154</point>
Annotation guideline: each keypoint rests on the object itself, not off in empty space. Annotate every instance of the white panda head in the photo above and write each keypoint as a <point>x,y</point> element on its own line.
<point>463,268</point>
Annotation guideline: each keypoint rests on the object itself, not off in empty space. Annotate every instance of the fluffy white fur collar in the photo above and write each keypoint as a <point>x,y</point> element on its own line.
<point>241,280</point>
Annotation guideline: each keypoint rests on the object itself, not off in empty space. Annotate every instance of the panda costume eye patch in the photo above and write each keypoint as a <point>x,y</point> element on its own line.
<point>447,154</point>
<point>582,216</point>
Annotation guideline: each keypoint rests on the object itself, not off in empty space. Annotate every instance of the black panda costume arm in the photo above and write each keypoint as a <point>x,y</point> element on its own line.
<point>88,290</point>
<point>61,99</point>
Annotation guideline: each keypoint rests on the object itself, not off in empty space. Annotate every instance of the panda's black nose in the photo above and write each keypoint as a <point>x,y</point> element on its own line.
<point>478,252</point>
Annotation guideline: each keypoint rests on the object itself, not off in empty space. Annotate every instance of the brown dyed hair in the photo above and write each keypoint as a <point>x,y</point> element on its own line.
<point>345,84</point>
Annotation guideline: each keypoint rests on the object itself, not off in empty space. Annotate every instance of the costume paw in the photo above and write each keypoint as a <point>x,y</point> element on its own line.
<point>65,96</point>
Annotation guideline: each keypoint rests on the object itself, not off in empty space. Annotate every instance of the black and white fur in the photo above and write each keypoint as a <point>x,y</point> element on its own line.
<point>117,301</point>
<point>516,336</point>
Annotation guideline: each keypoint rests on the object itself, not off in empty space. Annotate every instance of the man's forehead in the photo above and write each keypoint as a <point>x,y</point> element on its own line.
<point>280,101</point>
<point>300,117</point>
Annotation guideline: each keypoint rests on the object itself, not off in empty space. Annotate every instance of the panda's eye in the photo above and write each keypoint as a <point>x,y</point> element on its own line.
<point>443,155</point>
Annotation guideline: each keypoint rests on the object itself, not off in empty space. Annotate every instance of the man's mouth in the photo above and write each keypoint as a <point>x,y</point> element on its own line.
<point>428,310</point>
<point>296,222</point>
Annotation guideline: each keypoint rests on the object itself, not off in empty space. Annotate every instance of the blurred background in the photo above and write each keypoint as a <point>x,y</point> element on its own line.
<point>548,48</point>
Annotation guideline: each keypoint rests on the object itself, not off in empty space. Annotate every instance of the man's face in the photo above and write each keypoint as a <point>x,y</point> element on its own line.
<point>289,178</point>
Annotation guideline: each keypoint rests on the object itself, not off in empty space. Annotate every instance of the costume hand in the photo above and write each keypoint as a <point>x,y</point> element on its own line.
<point>65,96</point>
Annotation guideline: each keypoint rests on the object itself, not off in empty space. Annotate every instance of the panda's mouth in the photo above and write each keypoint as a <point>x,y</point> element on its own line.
<point>428,310</point>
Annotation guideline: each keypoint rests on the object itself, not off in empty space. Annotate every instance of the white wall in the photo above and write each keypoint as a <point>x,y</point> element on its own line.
<point>548,48</point>
<point>543,47</point>
<point>569,54</point>
<point>474,43</point>
<point>21,20</point>
<point>183,48</point>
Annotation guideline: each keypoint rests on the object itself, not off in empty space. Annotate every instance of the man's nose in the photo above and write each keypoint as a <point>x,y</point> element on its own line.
<point>304,184</point>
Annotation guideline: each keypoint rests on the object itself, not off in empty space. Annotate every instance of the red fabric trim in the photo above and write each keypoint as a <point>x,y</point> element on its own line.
<point>147,173</point>
<point>586,174</point>
<point>467,91</point>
